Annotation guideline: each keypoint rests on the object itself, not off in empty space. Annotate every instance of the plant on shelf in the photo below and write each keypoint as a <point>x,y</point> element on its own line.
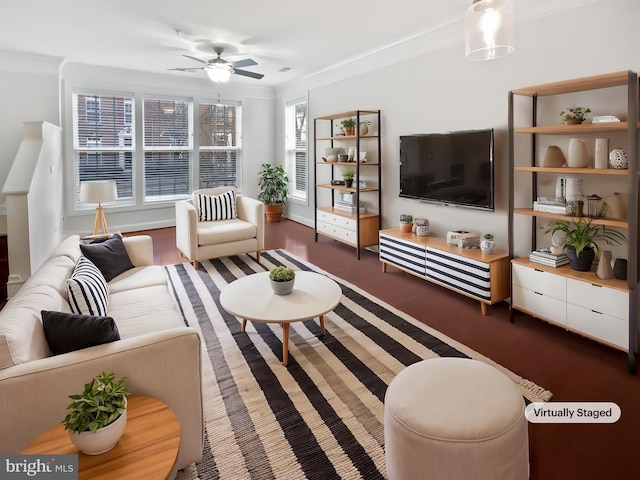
<point>406,222</point>
<point>282,279</point>
<point>347,175</point>
<point>331,154</point>
<point>580,239</point>
<point>363,127</point>
<point>574,115</point>
<point>349,126</point>
<point>273,182</point>
<point>487,245</point>
<point>99,411</point>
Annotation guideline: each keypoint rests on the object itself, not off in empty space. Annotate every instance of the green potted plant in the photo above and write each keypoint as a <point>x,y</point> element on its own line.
<point>273,183</point>
<point>282,280</point>
<point>331,154</point>
<point>363,127</point>
<point>406,223</point>
<point>574,115</point>
<point>347,175</point>
<point>488,245</point>
<point>580,239</point>
<point>98,415</point>
<point>349,126</point>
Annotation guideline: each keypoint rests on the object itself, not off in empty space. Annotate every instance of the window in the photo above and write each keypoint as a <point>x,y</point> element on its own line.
<point>128,112</point>
<point>219,162</point>
<point>168,134</point>
<point>99,140</point>
<point>296,148</point>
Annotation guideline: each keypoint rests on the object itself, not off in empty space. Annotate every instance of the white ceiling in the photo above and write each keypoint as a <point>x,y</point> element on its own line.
<point>306,36</point>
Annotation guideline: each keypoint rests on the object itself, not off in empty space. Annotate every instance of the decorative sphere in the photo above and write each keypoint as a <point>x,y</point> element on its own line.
<point>619,159</point>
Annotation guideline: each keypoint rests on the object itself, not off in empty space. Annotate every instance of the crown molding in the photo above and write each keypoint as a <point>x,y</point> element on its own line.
<point>30,63</point>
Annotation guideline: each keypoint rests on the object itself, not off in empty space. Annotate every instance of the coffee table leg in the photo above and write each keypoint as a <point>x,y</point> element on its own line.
<point>285,343</point>
<point>322,324</point>
<point>244,325</point>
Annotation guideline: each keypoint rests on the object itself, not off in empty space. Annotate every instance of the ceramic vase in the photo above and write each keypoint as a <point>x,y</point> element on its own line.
<point>604,269</point>
<point>282,288</point>
<point>583,262</point>
<point>601,158</point>
<point>488,246</point>
<point>577,153</point>
<point>620,268</point>
<point>619,159</point>
<point>102,440</point>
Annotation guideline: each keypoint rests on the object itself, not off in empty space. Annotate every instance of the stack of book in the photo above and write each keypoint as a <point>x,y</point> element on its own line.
<point>348,207</point>
<point>551,205</point>
<point>545,257</point>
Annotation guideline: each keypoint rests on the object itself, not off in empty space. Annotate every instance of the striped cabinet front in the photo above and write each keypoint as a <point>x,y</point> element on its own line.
<point>460,273</point>
<point>404,254</point>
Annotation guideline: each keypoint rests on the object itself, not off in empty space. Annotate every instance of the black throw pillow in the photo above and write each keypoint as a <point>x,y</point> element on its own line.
<point>110,256</point>
<point>66,332</point>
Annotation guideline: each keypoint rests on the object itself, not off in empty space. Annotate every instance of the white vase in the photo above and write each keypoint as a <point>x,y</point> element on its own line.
<point>601,157</point>
<point>488,246</point>
<point>102,440</point>
<point>577,154</point>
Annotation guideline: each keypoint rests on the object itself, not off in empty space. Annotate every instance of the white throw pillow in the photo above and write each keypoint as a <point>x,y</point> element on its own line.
<point>216,207</point>
<point>88,290</point>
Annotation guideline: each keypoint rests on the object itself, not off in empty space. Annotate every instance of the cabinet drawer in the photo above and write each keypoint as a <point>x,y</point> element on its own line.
<point>337,232</point>
<point>599,325</point>
<point>601,299</point>
<point>337,220</point>
<point>539,305</point>
<point>548,284</point>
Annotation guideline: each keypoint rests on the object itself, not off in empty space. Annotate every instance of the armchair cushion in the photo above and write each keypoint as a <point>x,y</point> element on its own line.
<point>88,290</point>
<point>225,231</point>
<point>216,207</point>
<point>67,332</point>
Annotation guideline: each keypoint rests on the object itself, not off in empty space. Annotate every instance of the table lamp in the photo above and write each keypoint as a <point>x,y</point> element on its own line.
<point>99,191</point>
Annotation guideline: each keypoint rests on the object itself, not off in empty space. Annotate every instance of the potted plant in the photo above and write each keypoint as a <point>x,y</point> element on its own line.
<point>363,127</point>
<point>331,154</point>
<point>406,223</point>
<point>580,238</point>
<point>349,126</point>
<point>98,415</point>
<point>574,115</point>
<point>488,245</point>
<point>347,175</point>
<point>273,183</point>
<point>282,280</point>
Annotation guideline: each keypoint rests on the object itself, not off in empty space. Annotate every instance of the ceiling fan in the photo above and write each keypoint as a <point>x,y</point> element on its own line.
<point>219,70</point>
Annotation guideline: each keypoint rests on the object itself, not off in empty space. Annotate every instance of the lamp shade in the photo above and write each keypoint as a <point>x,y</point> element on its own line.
<point>489,29</point>
<point>219,72</point>
<point>98,191</point>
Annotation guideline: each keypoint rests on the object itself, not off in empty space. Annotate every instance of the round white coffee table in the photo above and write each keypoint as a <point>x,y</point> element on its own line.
<point>251,298</point>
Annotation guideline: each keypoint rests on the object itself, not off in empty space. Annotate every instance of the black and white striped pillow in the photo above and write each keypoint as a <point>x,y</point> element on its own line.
<point>216,207</point>
<point>88,290</point>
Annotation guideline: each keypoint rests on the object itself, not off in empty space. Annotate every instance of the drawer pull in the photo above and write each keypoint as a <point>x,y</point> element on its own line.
<point>595,311</point>
<point>538,270</point>
<point>594,285</point>
<point>538,293</point>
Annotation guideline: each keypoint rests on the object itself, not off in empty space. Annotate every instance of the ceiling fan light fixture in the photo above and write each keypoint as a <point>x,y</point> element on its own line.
<point>489,29</point>
<point>219,72</point>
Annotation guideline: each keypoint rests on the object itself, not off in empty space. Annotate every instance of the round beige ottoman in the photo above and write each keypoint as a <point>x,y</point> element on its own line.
<point>455,419</point>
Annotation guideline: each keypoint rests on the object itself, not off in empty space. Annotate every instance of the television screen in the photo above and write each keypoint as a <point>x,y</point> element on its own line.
<point>454,168</point>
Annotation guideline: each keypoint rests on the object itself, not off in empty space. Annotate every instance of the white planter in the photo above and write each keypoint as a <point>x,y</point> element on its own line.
<point>488,246</point>
<point>102,440</point>
<point>282,288</point>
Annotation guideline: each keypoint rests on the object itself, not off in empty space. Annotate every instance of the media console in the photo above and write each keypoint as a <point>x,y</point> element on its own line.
<point>484,277</point>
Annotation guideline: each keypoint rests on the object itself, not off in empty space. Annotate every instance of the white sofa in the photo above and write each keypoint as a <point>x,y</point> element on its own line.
<point>219,238</point>
<point>159,355</point>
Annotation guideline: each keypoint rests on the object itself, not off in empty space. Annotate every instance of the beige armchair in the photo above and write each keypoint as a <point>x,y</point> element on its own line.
<point>219,238</point>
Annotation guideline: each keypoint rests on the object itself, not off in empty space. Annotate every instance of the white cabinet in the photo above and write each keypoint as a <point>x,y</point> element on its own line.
<point>592,309</point>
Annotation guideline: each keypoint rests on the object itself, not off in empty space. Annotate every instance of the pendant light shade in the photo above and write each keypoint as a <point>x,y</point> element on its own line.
<point>489,29</point>
<point>219,72</point>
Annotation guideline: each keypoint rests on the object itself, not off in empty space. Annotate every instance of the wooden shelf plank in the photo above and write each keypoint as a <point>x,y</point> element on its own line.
<point>609,222</point>
<point>346,137</point>
<point>342,188</point>
<point>351,113</point>
<point>583,171</point>
<point>342,213</point>
<point>596,82</point>
<point>584,128</point>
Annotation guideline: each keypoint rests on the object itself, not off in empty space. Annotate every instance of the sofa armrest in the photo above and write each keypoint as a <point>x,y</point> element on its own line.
<point>187,229</point>
<point>165,365</point>
<point>252,211</point>
<point>140,250</point>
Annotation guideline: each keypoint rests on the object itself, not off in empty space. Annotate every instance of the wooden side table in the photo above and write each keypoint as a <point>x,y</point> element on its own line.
<point>148,447</point>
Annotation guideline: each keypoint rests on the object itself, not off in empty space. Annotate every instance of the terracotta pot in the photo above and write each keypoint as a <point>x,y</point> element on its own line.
<point>349,130</point>
<point>573,121</point>
<point>273,212</point>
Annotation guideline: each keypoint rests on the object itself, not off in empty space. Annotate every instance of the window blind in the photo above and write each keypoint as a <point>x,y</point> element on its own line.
<point>219,145</point>
<point>296,148</point>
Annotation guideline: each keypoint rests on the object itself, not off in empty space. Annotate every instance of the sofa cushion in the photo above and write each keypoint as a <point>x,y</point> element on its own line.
<point>223,231</point>
<point>110,256</point>
<point>137,277</point>
<point>68,248</point>
<point>88,290</point>
<point>66,332</point>
<point>216,207</point>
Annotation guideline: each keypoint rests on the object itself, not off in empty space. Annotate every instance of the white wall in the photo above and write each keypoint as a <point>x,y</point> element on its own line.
<point>441,91</point>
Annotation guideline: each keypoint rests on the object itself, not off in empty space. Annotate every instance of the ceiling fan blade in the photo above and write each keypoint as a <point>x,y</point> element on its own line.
<point>245,73</point>
<point>247,62</point>
<point>196,59</point>
<point>189,70</point>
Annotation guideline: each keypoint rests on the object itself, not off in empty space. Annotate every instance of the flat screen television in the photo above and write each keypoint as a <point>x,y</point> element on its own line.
<point>454,168</point>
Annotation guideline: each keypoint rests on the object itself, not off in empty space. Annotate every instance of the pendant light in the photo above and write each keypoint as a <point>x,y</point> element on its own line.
<point>489,29</point>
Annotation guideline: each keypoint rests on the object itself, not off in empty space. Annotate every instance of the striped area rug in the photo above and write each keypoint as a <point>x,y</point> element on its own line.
<point>320,417</point>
